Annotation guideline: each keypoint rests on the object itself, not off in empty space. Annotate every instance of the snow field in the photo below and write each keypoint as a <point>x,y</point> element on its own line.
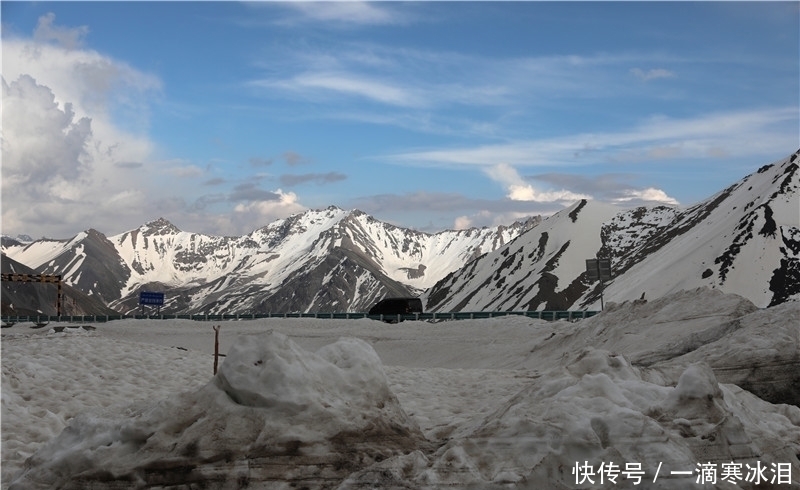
<point>51,378</point>
<point>499,403</point>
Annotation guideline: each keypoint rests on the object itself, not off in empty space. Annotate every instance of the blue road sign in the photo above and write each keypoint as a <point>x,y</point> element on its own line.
<point>151,298</point>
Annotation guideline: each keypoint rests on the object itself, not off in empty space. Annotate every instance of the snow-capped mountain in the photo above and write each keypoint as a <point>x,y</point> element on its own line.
<point>743,240</point>
<point>9,241</point>
<point>320,260</point>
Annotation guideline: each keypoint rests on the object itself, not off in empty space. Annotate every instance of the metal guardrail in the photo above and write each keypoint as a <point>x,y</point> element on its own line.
<point>456,315</point>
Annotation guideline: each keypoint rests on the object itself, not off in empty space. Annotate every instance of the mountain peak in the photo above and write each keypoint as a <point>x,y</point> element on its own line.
<point>9,241</point>
<point>160,226</point>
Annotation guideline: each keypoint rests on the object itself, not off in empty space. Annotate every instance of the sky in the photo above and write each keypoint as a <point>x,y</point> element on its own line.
<point>223,116</point>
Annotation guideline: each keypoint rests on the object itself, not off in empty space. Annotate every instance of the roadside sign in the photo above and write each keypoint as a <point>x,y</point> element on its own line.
<point>151,298</point>
<point>598,269</point>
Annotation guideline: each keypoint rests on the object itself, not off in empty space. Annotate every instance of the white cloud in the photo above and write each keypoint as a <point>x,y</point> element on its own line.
<point>69,38</point>
<point>96,85</point>
<point>76,151</point>
<point>652,74</point>
<point>66,160</point>
<point>462,223</point>
<point>498,218</point>
<point>186,171</point>
<point>485,217</point>
<point>650,195</point>
<point>519,190</point>
<point>391,75</point>
<point>744,133</point>
<point>258,213</point>
<point>324,84</point>
<point>371,89</point>
<point>42,141</point>
<point>348,13</point>
<point>69,165</point>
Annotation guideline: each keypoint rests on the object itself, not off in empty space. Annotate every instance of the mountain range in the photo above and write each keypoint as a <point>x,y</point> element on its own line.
<point>320,260</point>
<point>745,240</point>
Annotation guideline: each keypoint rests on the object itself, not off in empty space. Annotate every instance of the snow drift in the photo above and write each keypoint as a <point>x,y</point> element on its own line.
<point>597,409</point>
<point>631,398</point>
<point>274,413</point>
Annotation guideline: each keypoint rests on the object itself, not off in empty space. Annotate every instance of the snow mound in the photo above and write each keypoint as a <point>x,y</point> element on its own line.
<point>648,332</point>
<point>637,387</point>
<point>273,413</point>
<point>595,409</point>
<point>280,376</point>
<point>639,396</point>
<point>761,354</point>
<point>668,327</point>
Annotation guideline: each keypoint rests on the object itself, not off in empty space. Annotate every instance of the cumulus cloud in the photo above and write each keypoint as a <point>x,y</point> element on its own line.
<point>242,209</point>
<point>128,164</point>
<point>96,85</point>
<point>76,151</point>
<point>462,223</point>
<point>519,190</point>
<point>610,187</point>
<point>67,164</point>
<point>485,217</point>
<point>256,213</point>
<point>185,171</point>
<point>47,159</point>
<point>649,196</point>
<point>43,142</point>
<point>69,38</point>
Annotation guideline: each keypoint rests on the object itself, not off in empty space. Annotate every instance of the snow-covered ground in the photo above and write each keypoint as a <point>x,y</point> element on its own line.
<point>637,394</point>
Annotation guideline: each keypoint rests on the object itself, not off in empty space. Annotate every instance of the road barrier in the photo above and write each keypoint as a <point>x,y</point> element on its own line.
<point>435,316</point>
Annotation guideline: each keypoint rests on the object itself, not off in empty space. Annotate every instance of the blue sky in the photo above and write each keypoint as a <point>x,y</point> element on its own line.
<point>225,116</point>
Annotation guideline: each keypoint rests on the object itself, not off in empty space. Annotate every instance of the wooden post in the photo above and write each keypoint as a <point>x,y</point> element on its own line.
<point>59,296</point>
<point>216,347</point>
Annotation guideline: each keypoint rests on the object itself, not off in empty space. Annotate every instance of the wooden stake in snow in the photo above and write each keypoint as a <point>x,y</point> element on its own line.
<point>216,347</point>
